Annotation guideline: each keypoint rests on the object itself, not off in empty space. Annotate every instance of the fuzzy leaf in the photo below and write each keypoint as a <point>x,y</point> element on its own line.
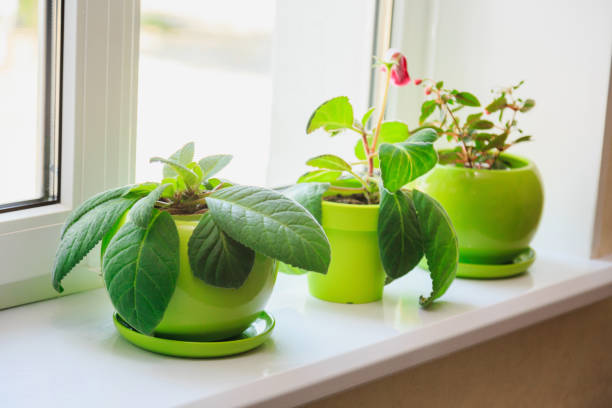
<point>399,234</point>
<point>309,195</point>
<point>333,115</point>
<point>142,211</point>
<point>439,243</point>
<point>141,266</point>
<point>211,165</point>
<point>85,232</point>
<point>216,258</point>
<point>329,162</point>
<point>182,156</point>
<point>271,224</point>
<point>497,104</point>
<point>189,176</point>
<point>400,163</point>
<point>528,105</point>
<point>323,176</point>
<point>467,99</point>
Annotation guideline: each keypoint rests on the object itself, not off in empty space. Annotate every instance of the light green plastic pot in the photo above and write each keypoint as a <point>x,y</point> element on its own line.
<point>201,312</point>
<point>355,274</point>
<point>495,212</point>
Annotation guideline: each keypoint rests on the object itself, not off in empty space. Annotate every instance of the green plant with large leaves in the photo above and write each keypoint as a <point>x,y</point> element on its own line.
<point>141,260</point>
<point>411,225</point>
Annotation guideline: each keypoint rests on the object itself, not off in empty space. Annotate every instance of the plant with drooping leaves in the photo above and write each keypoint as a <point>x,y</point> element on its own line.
<point>481,136</point>
<point>141,245</point>
<point>411,224</point>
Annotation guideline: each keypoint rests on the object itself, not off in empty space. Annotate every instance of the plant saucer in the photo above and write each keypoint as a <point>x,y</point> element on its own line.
<point>254,336</point>
<point>494,271</point>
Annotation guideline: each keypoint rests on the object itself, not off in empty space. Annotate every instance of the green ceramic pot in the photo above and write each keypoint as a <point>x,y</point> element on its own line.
<point>201,312</point>
<point>356,274</point>
<point>495,212</point>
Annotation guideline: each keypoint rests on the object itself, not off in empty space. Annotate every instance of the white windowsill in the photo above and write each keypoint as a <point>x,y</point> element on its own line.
<point>66,352</point>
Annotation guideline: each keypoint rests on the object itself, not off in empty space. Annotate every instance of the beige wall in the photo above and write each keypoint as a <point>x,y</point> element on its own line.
<point>563,362</point>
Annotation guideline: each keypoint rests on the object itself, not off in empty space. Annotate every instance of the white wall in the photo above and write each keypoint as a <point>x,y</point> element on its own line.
<point>562,49</point>
<point>322,49</point>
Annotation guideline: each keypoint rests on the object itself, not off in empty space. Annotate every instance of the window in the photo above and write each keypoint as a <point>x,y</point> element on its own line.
<point>30,50</point>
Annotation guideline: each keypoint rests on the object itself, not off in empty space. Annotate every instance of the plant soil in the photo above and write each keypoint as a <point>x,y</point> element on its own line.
<point>347,199</point>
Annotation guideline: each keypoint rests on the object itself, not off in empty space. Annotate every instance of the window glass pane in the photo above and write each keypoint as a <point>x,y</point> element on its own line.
<point>204,76</point>
<point>27,111</point>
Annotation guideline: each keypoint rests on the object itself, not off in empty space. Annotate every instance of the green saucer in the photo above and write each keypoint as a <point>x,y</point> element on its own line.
<point>254,336</point>
<point>483,271</point>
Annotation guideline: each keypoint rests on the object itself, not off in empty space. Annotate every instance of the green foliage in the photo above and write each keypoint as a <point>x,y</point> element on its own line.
<point>189,176</point>
<point>182,156</point>
<point>399,234</point>
<point>211,165</point>
<point>142,211</point>
<point>329,162</point>
<point>216,258</point>
<point>309,195</point>
<point>85,228</point>
<point>467,99</point>
<point>322,176</point>
<point>439,243</point>
<point>333,115</point>
<point>141,266</point>
<point>271,224</point>
<point>390,132</point>
<point>400,163</point>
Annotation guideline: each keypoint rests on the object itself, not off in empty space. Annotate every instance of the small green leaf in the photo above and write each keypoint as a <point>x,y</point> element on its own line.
<point>212,183</point>
<point>473,118</point>
<point>426,135</point>
<point>323,176</point>
<point>522,139</point>
<point>528,105</point>
<point>271,224</point>
<point>467,99</point>
<point>309,195</point>
<point>189,176</point>
<point>390,132</point>
<point>498,141</point>
<point>182,156</point>
<point>329,162</point>
<point>142,211</point>
<point>366,117</point>
<point>427,109</point>
<point>482,125</point>
<point>400,163</point>
<point>333,115</point>
<point>216,258</point>
<point>497,104</point>
<point>439,85</point>
<point>211,165</point>
<point>86,230</point>
<point>439,242</point>
<point>141,266</point>
<point>399,233</point>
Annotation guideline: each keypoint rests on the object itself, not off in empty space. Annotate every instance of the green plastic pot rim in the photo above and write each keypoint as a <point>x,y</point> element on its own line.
<point>187,217</point>
<point>528,165</point>
<point>351,206</point>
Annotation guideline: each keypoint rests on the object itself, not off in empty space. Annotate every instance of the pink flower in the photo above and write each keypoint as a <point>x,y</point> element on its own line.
<point>418,81</point>
<point>399,67</point>
<point>427,90</point>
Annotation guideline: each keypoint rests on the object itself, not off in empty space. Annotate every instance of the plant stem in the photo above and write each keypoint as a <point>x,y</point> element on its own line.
<point>381,116</point>
<point>460,133</point>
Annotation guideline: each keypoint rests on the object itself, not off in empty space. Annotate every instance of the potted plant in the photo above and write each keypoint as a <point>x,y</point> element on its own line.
<point>378,228</point>
<point>192,258</point>
<point>493,198</point>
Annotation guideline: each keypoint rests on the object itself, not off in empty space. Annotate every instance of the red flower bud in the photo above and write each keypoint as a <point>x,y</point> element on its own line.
<point>427,90</point>
<point>486,112</point>
<point>418,81</point>
<point>399,67</point>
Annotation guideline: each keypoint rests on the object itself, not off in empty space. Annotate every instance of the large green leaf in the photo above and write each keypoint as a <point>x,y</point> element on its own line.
<point>272,224</point>
<point>211,165</point>
<point>309,195</point>
<point>182,156</point>
<point>426,135</point>
<point>322,176</point>
<point>400,163</point>
<point>189,176</point>
<point>333,115</point>
<point>399,234</point>
<point>91,203</point>
<point>84,233</point>
<point>329,162</point>
<point>142,211</point>
<point>390,132</point>
<point>439,242</point>
<point>216,258</point>
<point>141,266</point>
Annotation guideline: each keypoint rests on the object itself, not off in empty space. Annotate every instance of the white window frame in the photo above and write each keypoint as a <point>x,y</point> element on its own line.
<point>100,55</point>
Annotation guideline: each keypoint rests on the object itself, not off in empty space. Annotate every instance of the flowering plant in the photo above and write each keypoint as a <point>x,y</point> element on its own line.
<point>480,138</point>
<point>411,224</point>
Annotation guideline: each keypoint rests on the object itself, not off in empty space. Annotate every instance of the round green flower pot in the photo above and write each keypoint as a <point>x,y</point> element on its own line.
<point>495,212</point>
<point>201,312</point>
<point>356,274</point>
